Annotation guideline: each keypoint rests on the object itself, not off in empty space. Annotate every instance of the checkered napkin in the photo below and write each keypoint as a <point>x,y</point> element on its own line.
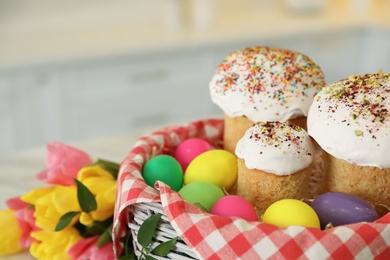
<point>214,237</point>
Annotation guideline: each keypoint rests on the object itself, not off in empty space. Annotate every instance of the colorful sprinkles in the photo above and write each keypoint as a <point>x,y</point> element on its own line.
<point>277,133</point>
<point>264,73</point>
<point>366,96</point>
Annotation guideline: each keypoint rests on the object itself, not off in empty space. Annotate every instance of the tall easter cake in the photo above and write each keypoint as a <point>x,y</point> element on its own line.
<point>264,84</point>
<point>350,120</point>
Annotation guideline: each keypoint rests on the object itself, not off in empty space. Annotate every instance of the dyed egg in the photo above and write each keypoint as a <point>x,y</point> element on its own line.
<point>291,212</point>
<point>187,150</point>
<point>234,206</point>
<point>202,194</point>
<point>163,168</point>
<point>215,166</point>
<point>341,208</point>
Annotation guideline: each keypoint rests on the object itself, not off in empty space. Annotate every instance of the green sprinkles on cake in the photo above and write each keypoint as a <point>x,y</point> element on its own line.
<point>363,94</point>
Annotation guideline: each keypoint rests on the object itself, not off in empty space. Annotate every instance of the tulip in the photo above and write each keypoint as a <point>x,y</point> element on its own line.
<point>51,203</point>
<point>39,219</point>
<point>24,214</point>
<point>54,245</point>
<point>88,249</point>
<point>103,186</point>
<point>10,233</point>
<point>63,163</point>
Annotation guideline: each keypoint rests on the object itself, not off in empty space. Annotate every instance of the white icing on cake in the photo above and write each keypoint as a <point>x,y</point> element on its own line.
<point>266,84</point>
<point>276,147</point>
<point>350,120</point>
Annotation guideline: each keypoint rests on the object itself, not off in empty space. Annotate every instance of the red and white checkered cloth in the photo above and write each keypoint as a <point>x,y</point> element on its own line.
<point>214,237</point>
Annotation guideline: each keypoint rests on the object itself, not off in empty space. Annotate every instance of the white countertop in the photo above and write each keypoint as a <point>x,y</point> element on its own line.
<point>59,32</point>
<point>18,170</point>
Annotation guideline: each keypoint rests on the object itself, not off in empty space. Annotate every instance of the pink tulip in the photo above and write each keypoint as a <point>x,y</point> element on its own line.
<point>63,163</point>
<point>16,203</point>
<point>87,249</point>
<point>25,217</point>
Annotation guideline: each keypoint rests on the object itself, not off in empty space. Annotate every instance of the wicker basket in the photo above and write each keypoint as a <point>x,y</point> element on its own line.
<point>142,201</point>
<point>165,231</point>
<point>139,212</point>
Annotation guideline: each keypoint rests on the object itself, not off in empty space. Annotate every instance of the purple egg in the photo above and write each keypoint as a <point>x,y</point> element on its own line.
<point>341,208</point>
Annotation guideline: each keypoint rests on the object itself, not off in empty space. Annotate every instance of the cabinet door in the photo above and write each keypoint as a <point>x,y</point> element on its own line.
<point>152,89</point>
<point>376,51</point>
<point>7,118</point>
<point>34,108</point>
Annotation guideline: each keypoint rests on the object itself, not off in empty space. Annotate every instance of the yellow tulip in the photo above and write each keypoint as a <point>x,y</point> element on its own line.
<point>103,185</point>
<point>33,195</point>
<point>93,171</point>
<point>85,219</point>
<point>51,203</point>
<point>10,233</point>
<point>64,199</point>
<point>54,245</point>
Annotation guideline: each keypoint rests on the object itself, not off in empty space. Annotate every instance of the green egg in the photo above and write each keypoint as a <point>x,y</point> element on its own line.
<point>163,168</point>
<point>202,194</point>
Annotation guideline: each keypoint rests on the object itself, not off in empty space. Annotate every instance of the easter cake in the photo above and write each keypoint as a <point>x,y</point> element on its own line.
<point>274,163</point>
<point>350,120</point>
<point>264,84</point>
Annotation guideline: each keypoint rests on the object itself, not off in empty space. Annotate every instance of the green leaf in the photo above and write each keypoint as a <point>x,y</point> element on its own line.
<point>105,237</point>
<point>148,257</point>
<point>97,227</point>
<point>128,248</point>
<point>65,220</point>
<point>127,257</point>
<point>147,230</point>
<point>164,248</point>
<point>85,197</point>
<point>109,166</point>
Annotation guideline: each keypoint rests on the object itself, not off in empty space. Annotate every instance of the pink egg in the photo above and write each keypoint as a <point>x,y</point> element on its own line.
<point>189,149</point>
<point>234,206</point>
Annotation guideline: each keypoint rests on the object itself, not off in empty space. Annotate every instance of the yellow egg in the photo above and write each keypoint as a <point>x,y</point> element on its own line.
<point>289,212</point>
<point>216,166</point>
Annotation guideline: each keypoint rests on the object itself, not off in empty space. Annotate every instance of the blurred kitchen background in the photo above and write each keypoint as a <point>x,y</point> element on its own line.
<point>72,70</point>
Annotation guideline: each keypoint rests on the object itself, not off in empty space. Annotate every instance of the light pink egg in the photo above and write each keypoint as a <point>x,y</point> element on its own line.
<point>234,206</point>
<point>187,150</point>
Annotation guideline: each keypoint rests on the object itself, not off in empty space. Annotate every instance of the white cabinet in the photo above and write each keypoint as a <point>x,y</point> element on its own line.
<point>152,89</point>
<point>91,98</point>
<point>29,109</point>
<point>8,121</point>
<point>376,50</point>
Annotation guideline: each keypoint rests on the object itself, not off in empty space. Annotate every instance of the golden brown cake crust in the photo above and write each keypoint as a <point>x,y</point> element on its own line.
<point>300,121</point>
<point>234,129</point>
<point>366,182</point>
<point>262,189</point>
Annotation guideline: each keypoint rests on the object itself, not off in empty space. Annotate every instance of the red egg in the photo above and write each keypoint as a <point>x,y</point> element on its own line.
<point>187,150</point>
<point>234,206</point>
